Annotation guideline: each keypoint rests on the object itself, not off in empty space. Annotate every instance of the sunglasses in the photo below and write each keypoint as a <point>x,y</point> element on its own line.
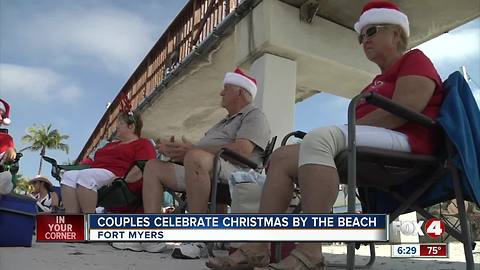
<point>131,119</point>
<point>370,32</point>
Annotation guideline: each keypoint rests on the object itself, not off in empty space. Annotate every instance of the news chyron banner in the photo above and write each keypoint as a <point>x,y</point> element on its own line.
<point>238,227</point>
<point>231,227</point>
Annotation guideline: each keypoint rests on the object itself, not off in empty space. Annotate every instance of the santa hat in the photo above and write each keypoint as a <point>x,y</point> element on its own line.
<point>239,78</point>
<point>382,12</point>
<point>6,108</point>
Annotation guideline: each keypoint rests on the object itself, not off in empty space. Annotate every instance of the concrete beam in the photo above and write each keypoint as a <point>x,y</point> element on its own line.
<point>327,55</point>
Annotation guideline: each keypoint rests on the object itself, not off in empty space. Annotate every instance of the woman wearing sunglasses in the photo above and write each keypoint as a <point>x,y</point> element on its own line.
<point>79,187</point>
<point>408,78</point>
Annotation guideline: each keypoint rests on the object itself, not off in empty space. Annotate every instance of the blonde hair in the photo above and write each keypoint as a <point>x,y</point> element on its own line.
<point>403,43</point>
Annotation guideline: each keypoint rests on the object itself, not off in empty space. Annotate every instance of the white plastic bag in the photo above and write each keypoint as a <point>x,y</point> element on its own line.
<point>246,191</point>
<point>6,185</point>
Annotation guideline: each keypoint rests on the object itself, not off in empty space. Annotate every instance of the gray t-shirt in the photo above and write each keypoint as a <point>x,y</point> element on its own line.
<point>250,124</point>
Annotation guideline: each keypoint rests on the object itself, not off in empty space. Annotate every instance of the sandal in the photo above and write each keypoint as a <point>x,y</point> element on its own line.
<point>252,259</point>
<point>303,263</point>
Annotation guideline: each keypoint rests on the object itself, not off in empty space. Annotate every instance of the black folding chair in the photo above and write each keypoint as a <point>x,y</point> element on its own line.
<point>372,169</point>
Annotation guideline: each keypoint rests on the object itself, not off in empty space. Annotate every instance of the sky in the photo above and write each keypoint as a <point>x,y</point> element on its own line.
<point>61,62</point>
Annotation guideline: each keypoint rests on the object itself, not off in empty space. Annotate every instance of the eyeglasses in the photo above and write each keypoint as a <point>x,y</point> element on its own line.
<point>370,32</point>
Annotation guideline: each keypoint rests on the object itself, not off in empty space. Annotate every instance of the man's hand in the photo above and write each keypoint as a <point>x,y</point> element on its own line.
<point>176,151</point>
<point>9,155</point>
<point>161,144</point>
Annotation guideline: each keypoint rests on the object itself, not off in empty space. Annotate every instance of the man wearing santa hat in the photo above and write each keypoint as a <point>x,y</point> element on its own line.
<point>245,130</point>
<point>7,150</point>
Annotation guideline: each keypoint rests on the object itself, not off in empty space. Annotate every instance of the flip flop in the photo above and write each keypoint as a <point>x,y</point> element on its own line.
<point>304,263</point>
<point>253,259</point>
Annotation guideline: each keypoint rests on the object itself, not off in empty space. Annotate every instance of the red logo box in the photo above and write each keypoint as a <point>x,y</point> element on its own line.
<point>60,228</point>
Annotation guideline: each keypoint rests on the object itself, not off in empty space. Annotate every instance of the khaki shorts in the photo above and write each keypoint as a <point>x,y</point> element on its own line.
<point>226,169</point>
<point>321,145</point>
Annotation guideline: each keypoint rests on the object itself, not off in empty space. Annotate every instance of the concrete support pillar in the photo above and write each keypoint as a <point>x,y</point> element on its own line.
<point>276,81</point>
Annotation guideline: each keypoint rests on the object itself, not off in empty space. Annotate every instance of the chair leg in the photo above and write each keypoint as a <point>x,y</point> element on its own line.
<point>406,203</point>
<point>213,195</point>
<point>464,225</point>
<point>450,230</point>
<point>369,264</point>
<point>351,256</point>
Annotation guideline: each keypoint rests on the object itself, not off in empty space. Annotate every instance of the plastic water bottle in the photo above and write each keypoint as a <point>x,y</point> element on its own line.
<point>6,185</point>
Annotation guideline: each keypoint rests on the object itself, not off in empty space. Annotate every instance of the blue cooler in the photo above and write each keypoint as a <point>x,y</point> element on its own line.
<point>17,220</point>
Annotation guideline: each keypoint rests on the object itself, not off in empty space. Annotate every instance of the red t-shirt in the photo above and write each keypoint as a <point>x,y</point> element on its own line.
<point>6,141</point>
<point>119,157</point>
<point>422,140</point>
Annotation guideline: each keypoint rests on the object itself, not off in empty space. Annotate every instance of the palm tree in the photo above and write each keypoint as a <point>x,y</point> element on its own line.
<point>43,138</point>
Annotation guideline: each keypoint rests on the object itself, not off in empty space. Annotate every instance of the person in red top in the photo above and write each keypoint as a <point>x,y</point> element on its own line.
<point>409,79</point>
<point>7,150</point>
<point>115,159</point>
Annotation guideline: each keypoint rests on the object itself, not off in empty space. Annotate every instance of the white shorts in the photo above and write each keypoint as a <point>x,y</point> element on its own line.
<point>321,145</point>
<point>93,178</point>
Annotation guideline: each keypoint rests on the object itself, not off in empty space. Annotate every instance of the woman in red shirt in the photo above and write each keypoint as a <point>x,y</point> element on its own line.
<point>79,187</point>
<point>7,150</point>
<point>409,79</point>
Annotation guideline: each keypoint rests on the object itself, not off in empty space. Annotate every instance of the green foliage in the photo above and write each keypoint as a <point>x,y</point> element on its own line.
<point>41,138</point>
<point>23,185</point>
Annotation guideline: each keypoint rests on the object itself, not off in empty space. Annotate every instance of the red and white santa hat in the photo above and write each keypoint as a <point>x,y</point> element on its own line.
<point>6,109</point>
<point>382,12</point>
<point>239,78</point>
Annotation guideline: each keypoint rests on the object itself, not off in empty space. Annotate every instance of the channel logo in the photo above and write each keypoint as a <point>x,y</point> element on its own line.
<point>434,227</point>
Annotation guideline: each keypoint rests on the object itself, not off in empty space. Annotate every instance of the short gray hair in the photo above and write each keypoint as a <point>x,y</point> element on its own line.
<point>246,94</point>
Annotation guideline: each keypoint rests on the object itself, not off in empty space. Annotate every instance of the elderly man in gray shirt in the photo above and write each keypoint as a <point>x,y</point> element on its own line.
<point>245,130</point>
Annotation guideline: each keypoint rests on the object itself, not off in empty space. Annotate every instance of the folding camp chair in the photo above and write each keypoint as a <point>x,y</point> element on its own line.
<point>396,174</point>
<point>119,196</point>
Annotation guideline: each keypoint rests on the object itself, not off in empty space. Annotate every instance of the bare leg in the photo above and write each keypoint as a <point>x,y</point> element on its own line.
<point>87,199</point>
<point>278,189</point>
<point>198,167</point>
<point>157,175</point>
<point>70,201</point>
<point>319,190</point>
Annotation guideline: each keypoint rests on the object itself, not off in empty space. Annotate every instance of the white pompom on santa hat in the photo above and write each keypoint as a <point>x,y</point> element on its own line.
<point>5,108</point>
<point>382,12</point>
<point>239,78</point>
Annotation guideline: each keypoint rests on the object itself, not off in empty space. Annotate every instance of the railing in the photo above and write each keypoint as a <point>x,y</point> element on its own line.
<point>191,26</point>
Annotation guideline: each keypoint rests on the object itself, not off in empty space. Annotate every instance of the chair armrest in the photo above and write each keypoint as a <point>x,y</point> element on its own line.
<point>234,156</point>
<point>50,160</point>
<point>56,168</point>
<point>17,158</point>
<point>12,165</point>
<point>74,167</point>
<point>396,109</point>
<point>141,164</point>
<point>297,134</point>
